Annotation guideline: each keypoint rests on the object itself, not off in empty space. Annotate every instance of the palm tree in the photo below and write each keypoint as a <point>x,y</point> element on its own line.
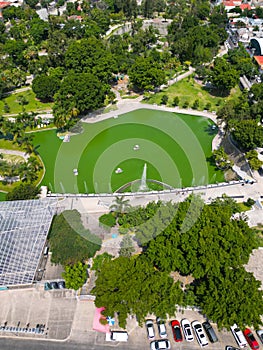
<point>34,164</point>
<point>120,205</point>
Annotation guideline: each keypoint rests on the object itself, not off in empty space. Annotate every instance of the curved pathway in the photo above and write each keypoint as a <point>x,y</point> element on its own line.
<point>15,153</point>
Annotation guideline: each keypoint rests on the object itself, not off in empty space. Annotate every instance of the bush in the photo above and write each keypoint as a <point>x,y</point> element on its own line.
<point>186,104</point>
<point>196,104</point>
<point>108,220</point>
<point>208,106</point>
<point>176,101</point>
<point>164,99</point>
<point>249,202</point>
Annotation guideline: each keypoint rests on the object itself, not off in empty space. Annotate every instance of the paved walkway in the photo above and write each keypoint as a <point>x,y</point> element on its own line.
<point>14,152</point>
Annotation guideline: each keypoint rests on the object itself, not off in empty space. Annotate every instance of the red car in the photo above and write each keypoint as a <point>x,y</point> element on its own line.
<point>251,339</point>
<point>178,337</point>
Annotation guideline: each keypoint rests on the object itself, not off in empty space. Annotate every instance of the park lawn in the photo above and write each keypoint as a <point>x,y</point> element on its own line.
<point>7,144</point>
<point>33,104</point>
<point>47,144</point>
<point>188,90</point>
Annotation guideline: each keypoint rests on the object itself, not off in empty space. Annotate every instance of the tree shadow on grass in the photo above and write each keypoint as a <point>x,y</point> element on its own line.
<point>215,92</point>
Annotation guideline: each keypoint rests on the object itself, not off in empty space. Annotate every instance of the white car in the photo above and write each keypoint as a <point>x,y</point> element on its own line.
<point>162,344</point>
<point>161,327</point>
<point>239,336</point>
<point>150,329</point>
<point>187,330</point>
<point>199,333</point>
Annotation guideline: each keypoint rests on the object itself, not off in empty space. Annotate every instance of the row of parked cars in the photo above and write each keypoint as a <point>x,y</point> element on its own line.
<point>199,331</point>
<point>179,329</point>
<point>54,285</point>
<point>38,329</point>
<point>246,337</point>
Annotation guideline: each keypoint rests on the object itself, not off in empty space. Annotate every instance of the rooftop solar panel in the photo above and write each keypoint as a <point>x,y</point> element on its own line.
<point>24,227</point>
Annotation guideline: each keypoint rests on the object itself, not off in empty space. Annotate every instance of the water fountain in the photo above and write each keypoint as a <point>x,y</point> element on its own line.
<point>62,187</point>
<point>86,187</point>
<point>143,185</point>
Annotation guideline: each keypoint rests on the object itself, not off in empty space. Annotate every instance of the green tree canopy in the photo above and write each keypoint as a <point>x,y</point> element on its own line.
<point>45,86</point>
<point>70,242</point>
<point>133,286</point>
<point>75,276</point>
<point>146,75</point>
<point>223,76</point>
<point>231,297</point>
<point>23,191</point>
<point>247,133</point>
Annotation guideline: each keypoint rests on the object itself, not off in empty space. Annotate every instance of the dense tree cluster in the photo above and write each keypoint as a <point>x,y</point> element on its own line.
<point>70,242</point>
<point>191,239</point>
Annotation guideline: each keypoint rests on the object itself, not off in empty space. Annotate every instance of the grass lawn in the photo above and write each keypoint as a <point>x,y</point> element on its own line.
<point>33,103</point>
<point>188,90</point>
<point>175,148</point>
<point>2,196</point>
<point>6,144</point>
<point>49,144</point>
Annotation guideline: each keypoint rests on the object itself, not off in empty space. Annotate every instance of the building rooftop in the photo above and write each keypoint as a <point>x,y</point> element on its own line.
<point>24,227</point>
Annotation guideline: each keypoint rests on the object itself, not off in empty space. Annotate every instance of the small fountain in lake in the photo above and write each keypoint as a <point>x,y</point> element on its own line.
<point>143,185</point>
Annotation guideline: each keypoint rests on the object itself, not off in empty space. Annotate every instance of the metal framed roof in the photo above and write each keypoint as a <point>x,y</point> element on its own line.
<point>24,227</point>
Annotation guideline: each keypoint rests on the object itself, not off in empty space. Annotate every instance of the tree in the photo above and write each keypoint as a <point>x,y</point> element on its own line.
<point>23,192</point>
<point>70,242</point>
<point>133,286</point>
<point>45,87</point>
<point>223,76</point>
<point>99,260</point>
<point>176,101</point>
<point>221,159</point>
<point>146,75</point>
<point>120,205</point>
<point>253,160</point>
<point>127,247</point>
<point>247,133</point>
<point>223,300</point>
<point>75,276</point>
<point>164,99</point>
<point>83,92</point>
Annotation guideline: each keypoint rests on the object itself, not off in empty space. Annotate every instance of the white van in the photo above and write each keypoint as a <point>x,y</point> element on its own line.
<point>119,336</point>
<point>239,336</point>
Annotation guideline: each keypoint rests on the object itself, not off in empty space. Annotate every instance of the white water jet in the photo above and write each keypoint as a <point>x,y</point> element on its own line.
<point>143,185</point>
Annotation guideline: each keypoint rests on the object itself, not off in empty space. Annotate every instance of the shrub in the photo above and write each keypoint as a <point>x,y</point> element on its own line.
<point>186,104</point>
<point>176,101</point>
<point>164,100</point>
<point>108,220</point>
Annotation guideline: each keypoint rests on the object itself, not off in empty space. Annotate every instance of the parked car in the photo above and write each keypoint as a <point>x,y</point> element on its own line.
<point>160,344</point>
<point>199,333</point>
<point>251,339</point>
<point>187,329</point>
<point>229,347</point>
<point>150,329</point>
<point>54,285</point>
<point>177,334</point>
<point>239,336</point>
<point>61,285</point>
<point>260,335</point>
<point>47,286</point>
<point>161,327</point>
<point>210,332</point>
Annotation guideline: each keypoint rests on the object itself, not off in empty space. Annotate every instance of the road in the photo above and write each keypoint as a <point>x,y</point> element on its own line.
<point>7,344</point>
<point>28,344</point>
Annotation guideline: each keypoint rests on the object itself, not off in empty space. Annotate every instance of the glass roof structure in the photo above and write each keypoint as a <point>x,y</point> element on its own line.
<point>24,227</point>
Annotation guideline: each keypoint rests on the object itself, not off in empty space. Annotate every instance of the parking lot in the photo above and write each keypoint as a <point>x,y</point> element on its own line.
<point>27,308</point>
